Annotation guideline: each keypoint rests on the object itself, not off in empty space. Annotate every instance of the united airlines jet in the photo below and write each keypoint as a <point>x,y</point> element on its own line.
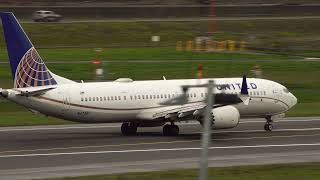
<point>134,103</point>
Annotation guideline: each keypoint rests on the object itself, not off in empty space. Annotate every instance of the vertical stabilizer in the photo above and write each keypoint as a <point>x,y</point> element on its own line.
<point>27,67</point>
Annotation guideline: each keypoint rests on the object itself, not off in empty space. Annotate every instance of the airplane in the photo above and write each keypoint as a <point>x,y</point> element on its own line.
<point>135,104</point>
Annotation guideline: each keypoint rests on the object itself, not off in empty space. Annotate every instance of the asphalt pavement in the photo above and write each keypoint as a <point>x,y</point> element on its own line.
<point>87,149</point>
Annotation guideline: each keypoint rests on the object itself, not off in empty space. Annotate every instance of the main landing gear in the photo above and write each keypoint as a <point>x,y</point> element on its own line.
<point>170,130</point>
<point>129,128</point>
<point>268,126</point>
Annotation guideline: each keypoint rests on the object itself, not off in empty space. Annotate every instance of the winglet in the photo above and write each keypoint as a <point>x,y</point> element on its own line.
<point>244,95</point>
<point>244,86</point>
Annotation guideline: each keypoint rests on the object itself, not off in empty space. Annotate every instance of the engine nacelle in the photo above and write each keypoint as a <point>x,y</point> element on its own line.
<point>225,117</point>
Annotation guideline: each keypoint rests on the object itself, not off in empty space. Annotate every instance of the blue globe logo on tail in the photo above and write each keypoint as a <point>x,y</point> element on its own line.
<point>32,72</point>
<point>27,67</point>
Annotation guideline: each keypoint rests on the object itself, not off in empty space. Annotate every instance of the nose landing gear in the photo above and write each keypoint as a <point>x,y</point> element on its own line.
<point>268,126</point>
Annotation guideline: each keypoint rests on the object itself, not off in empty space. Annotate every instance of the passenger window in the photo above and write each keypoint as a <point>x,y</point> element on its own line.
<point>194,95</point>
<point>100,98</point>
<point>108,98</point>
<point>86,99</point>
<point>131,97</point>
<point>165,96</point>
<point>93,99</point>
<point>115,98</point>
<point>138,96</point>
<point>158,97</point>
<point>124,97</point>
<point>82,99</point>
<point>104,98</point>
<point>257,93</point>
<point>111,98</point>
<point>169,96</point>
<point>119,97</point>
<point>142,96</point>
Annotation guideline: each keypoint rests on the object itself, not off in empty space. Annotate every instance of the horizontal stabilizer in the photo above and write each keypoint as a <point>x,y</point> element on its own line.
<point>35,91</point>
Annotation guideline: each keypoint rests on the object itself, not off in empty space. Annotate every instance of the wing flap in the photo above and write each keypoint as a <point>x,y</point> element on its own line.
<point>170,111</point>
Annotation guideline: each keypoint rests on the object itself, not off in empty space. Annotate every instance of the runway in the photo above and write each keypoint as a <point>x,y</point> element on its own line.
<point>76,150</point>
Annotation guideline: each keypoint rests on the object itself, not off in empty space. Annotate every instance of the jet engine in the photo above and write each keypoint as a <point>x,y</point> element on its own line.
<point>225,117</point>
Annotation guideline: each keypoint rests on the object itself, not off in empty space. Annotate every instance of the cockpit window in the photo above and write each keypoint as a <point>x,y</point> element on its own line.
<point>285,90</point>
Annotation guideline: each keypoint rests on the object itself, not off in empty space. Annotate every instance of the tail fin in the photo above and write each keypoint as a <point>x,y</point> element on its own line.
<point>27,67</point>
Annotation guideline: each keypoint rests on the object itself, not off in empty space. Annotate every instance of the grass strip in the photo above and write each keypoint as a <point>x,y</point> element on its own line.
<point>310,171</point>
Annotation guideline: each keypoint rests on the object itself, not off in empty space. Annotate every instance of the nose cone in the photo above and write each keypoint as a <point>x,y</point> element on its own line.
<point>294,100</point>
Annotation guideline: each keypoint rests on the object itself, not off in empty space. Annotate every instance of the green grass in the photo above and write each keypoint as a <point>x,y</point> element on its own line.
<point>24,118</point>
<point>281,34</point>
<point>155,53</point>
<point>309,171</point>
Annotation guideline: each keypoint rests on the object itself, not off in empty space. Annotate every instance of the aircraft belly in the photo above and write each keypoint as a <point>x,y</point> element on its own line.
<point>258,108</point>
<point>78,114</point>
<point>100,116</point>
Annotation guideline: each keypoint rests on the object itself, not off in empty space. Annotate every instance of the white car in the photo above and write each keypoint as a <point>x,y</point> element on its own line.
<point>46,16</point>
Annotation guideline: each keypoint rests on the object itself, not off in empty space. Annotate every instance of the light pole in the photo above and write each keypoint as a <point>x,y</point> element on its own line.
<point>206,133</point>
<point>207,122</point>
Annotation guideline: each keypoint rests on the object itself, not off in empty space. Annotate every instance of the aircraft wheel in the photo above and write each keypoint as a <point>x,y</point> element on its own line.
<point>268,127</point>
<point>166,130</point>
<point>125,128</point>
<point>129,129</point>
<point>170,130</point>
<point>133,127</point>
<point>174,130</point>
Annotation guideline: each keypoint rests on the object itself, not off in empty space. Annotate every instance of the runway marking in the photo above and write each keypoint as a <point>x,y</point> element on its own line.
<point>281,120</point>
<point>155,143</point>
<point>157,150</point>
<point>118,125</point>
<point>59,128</point>
<point>251,131</point>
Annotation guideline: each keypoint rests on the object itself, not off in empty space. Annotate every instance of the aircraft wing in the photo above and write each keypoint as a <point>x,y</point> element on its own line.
<point>180,111</point>
<point>34,91</point>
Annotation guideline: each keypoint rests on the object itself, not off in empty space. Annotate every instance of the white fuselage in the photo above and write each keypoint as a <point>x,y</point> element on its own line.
<point>124,101</point>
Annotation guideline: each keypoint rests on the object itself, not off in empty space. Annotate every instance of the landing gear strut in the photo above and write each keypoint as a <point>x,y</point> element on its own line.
<point>170,130</point>
<point>129,128</point>
<point>268,126</point>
